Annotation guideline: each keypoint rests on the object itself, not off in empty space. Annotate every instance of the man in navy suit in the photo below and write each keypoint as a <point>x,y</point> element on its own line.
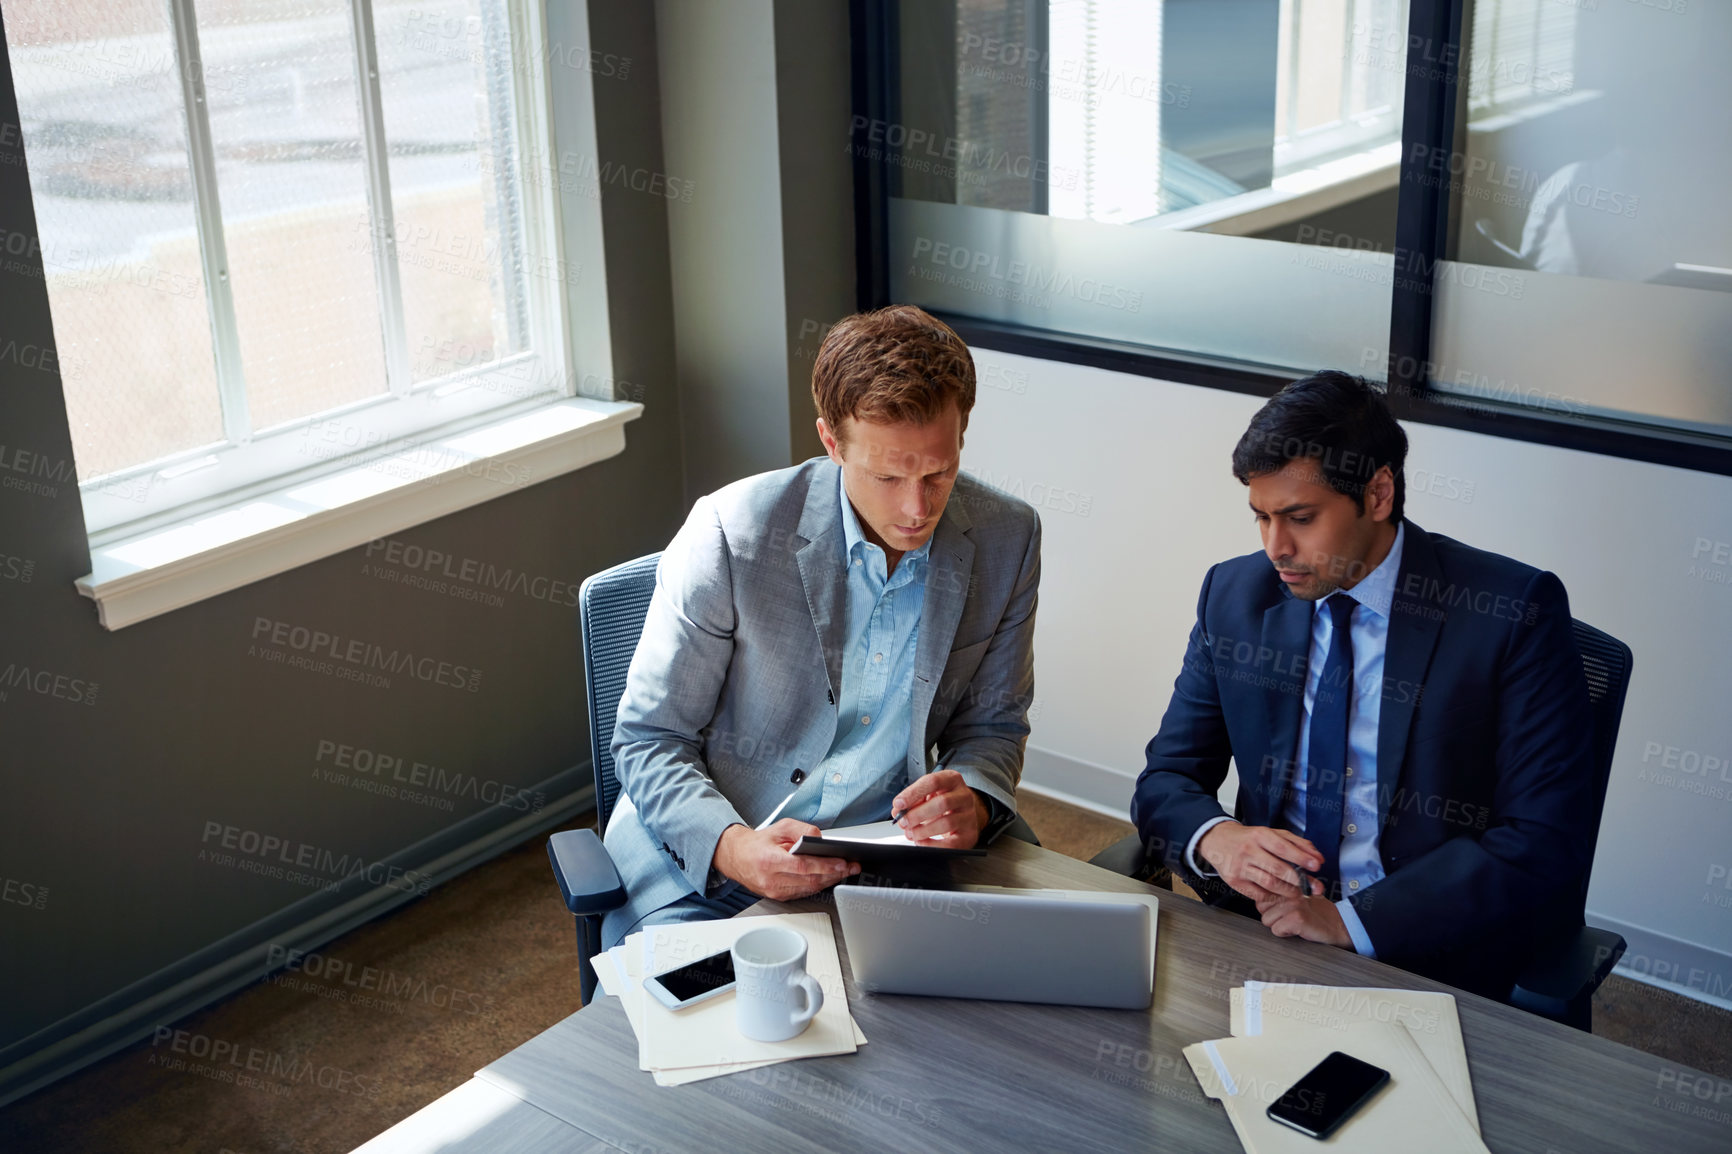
<point>1408,715</point>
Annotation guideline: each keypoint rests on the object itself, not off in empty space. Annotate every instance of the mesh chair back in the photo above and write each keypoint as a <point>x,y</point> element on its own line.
<point>1607,663</point>
<point>611,606</point>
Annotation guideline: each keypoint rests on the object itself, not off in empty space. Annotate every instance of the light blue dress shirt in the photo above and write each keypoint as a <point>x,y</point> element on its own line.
<point>864,769</point>
<point>1361,863</point>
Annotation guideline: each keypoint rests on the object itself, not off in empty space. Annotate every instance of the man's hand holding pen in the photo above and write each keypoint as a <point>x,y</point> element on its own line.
<point>940,809</point>
<point>1272,868</point>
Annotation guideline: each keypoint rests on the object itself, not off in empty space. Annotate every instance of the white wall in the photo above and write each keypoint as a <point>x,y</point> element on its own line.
<point>1138,499</point>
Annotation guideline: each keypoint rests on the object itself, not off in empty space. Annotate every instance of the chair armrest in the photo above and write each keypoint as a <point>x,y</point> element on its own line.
<point>1128,857</point>
<point>1574,966</point>
<point>1124,856</point>
<point>588,881</point>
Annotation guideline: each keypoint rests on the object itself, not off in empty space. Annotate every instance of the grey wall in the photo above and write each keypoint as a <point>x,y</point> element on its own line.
<point>755,116</point>
<point>812,119</point>
<point>104,802</point>
<point>718,100</point>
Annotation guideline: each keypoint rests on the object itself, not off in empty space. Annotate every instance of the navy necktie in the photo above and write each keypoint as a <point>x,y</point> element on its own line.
<point>1326,770</point>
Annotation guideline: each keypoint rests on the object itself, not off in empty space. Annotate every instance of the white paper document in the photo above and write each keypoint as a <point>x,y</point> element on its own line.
<point>875,833</point>
<point>706,1034</point>
<point>702,1041</point>
<point>1413,1113</point>
<point>1272,1009</point>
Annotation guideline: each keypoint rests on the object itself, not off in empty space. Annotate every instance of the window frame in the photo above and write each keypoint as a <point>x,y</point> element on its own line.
<point>1297,149</point>
<point>247,462</point>
<point>1433,122</point>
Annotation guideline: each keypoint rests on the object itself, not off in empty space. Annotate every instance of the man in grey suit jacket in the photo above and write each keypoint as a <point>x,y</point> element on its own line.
<point>817,632</point>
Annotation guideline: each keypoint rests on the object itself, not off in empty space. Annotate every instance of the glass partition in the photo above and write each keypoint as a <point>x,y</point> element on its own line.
<point>1220,180</point>
<point>1215,177</point>
<point>1593,181</point>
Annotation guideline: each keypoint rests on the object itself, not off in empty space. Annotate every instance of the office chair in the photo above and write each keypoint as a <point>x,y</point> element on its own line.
<point>611,607</point>
<point>1560,980</point>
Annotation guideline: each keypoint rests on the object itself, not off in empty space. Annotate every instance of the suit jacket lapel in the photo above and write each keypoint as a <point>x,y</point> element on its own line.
<point>1414,623</point>
<point>949,568</point>
<point>823,571</point>
<point>1287,635</point>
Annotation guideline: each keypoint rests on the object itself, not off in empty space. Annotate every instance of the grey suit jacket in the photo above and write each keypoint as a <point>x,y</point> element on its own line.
<point>733,686</point>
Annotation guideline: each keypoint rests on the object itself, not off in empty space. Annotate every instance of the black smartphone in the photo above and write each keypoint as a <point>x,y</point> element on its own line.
<point>1322,1100</point>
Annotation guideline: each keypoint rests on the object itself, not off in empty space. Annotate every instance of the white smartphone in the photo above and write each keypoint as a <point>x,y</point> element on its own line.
<point>693,982</point>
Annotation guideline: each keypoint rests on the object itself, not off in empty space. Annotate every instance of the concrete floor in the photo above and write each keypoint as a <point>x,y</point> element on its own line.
<point>324,1059</point>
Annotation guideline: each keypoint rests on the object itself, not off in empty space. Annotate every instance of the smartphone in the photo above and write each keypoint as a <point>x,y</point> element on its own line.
<point>1322,1100</point>
<point>693,982</point>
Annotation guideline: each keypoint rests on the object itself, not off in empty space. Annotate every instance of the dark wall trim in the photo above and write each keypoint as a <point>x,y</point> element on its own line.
<point>1602,435</point>
<point>871,29</point>
<point>1118,356</point>
<point>1422,204</point>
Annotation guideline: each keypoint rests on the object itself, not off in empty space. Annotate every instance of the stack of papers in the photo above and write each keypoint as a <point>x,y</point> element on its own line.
<point>702,1041</point>
<point>1281,1031</point>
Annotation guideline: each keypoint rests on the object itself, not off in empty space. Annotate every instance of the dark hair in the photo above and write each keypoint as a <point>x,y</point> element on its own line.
<point>894,364</point>
<point>1337,420</point>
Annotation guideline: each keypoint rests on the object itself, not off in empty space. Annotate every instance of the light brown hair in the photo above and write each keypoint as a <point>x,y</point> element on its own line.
<point>893,365</point>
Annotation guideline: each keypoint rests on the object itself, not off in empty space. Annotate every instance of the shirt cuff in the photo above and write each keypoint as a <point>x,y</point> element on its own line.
<point>1356,929</point>
<point>998,817</point>
<point>1191,858</point>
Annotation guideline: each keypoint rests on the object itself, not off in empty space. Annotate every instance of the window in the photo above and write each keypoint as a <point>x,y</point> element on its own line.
<point>1511,209</point>
<point>1591,258</point>
<point>283,232</point>
<point>1150,170</point>
<point>1338,79</point>
<point>1337,94</point>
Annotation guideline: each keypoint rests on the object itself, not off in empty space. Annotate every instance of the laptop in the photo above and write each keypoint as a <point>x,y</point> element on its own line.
<point>1060,947</point>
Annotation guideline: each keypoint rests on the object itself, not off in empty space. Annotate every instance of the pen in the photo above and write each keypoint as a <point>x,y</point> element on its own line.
<point>798,779</point>
<point>777,812</point>
<point>895,817</point>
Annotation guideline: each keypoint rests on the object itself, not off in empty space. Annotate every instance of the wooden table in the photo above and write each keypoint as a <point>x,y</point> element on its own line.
<point>480,1118</point>
<point>955,1075</point>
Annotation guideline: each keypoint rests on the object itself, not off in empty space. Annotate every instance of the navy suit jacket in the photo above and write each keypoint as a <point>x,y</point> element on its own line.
<point>1484,756</point>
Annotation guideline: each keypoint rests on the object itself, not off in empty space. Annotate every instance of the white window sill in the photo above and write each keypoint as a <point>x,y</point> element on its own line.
<point>1295,196</point>
<point>160,570</point>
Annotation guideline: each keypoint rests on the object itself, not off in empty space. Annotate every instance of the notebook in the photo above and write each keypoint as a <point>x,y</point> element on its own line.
<point>879,846</point>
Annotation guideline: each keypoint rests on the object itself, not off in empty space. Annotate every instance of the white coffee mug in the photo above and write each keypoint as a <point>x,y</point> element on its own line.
<point>774,997</point>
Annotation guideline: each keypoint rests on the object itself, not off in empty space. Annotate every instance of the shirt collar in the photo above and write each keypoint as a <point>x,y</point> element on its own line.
<point>1377,591</point>
<point>853,536</point>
